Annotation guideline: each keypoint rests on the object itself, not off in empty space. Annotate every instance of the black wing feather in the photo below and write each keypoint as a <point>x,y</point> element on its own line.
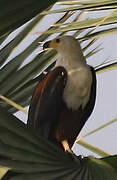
<point>91,103</point>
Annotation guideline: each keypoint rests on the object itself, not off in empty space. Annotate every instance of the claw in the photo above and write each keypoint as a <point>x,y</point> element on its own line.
<point>68,149</point>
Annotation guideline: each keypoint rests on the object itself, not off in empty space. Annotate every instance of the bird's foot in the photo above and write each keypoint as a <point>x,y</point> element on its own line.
<point>68,149</point>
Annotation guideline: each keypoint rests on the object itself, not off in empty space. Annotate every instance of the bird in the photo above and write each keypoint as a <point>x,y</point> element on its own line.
<point>64,100</point>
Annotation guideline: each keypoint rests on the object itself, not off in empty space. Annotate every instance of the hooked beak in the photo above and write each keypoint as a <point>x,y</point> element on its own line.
<point>46,45</point>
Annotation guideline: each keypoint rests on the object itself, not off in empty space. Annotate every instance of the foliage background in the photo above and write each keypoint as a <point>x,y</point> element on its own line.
<point>16,77</point>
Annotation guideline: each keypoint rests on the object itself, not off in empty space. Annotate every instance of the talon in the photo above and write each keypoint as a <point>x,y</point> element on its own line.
<point>68,149</point>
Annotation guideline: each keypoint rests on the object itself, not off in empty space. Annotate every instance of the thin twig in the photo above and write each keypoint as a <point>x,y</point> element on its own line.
<point>17,106</point>
<point>97,129</point>
<point>92,148</point>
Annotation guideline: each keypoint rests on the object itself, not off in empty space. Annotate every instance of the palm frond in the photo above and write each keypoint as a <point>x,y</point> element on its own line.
<point>88,5</point>
<point>46,160</point>
<point>13,15</point>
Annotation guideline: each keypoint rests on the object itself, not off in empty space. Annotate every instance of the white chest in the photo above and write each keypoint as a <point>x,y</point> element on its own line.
<point>77,90</point>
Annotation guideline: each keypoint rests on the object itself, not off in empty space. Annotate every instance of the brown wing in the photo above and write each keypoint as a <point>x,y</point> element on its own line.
<point>46,103</point>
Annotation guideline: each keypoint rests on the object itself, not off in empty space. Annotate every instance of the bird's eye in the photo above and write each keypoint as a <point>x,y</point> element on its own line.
<point>57,40</point>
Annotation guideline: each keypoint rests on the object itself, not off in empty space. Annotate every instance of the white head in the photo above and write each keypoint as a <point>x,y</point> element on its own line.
<point>66,46</point>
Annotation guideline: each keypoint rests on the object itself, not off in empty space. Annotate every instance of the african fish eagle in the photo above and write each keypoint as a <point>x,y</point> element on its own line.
<point>63,101</point>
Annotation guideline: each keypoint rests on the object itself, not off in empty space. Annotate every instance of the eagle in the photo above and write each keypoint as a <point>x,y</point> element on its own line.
<point>63,101</point>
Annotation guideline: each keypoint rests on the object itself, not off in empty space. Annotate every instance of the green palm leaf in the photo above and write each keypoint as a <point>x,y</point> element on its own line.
<point>15,13</point>
<point>84,24</point>
<point>37,158</point>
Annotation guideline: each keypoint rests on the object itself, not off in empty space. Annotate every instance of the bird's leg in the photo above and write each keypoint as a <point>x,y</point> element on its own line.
<point>66,146</point>
<point>68,149</point>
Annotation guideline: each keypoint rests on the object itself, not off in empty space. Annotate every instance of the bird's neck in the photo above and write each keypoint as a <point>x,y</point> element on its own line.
<point>69,61</point>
